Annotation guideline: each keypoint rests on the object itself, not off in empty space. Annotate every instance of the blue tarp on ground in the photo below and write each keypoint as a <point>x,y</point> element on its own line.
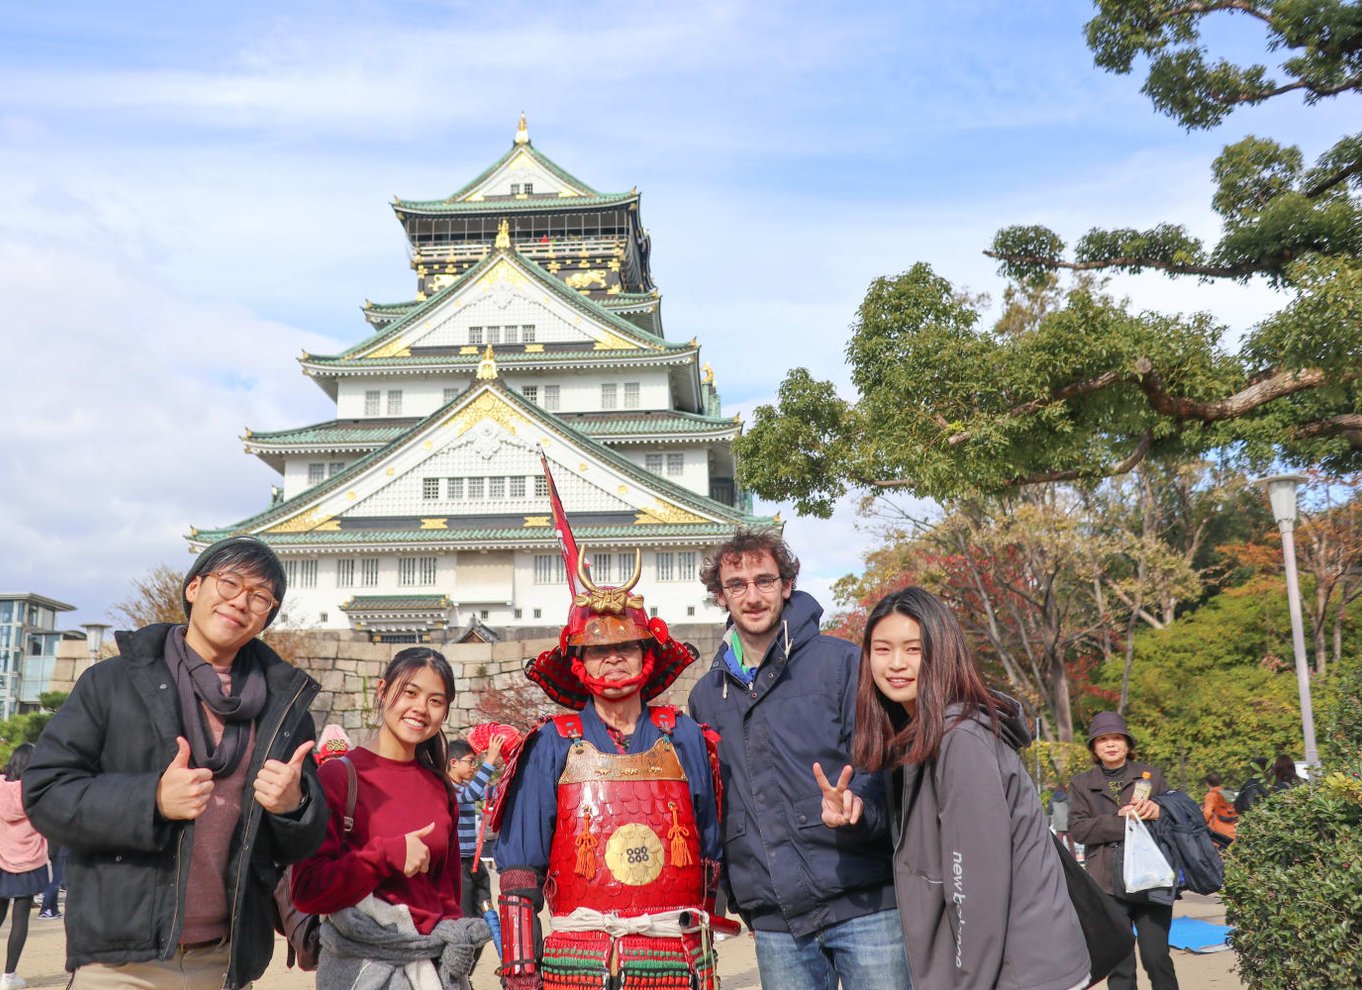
<point>1198,936</point>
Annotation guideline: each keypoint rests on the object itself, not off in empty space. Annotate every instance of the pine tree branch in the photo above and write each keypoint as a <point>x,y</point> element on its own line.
<point>1276,386</point>
<point>1131,261</point>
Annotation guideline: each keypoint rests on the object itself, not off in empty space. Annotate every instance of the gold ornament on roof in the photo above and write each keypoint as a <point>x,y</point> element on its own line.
<point>522,132</point>
<point>614,600</point>
<point>707,374</point>
<point>487,367</point>
<point>503,242</point>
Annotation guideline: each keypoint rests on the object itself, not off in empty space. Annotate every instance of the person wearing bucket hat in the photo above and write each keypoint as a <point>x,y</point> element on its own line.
<point>180,775</point>
<point>611,812</point>
<point>1099,798</point>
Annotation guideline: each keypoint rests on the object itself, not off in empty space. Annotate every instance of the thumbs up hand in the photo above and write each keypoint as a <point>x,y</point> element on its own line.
<point>279,785</point>
<point>418,853</point>
<point>182,793</point>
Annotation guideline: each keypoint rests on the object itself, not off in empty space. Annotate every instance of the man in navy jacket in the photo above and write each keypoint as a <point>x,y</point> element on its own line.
<point>783,698</point>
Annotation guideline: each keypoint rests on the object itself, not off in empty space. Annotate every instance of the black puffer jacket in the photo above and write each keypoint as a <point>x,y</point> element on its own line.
<point>91,787</point>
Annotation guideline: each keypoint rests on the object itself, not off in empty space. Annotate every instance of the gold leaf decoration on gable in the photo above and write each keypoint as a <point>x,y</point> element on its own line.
<point>534,348</point>
<point>440,522</point>
<point>330,526</point>
<point>396,347</point>
<point>486,406</point>
<point>666,513</point>
<point>607,341</point>
<point>536,521</point>
<point>304,522</point>
<point>503,272</point>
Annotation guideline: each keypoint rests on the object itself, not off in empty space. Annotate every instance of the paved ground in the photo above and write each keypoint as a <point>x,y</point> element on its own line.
<point>43,958</point>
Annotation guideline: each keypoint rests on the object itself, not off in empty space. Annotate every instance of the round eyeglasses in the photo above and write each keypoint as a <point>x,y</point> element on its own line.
<point>230,585</point>
<point>738,587</point>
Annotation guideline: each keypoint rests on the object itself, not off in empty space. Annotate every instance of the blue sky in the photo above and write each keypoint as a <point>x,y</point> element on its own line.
<point>196,193</point>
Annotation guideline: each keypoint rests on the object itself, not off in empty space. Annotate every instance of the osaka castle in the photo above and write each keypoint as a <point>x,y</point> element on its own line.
<point>420,512</point>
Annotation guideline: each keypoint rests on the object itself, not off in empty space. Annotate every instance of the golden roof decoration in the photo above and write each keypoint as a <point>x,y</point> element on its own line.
<point>522,132</point>
<point>503,242</point>
<point>487,367</point>
<point>707,374</point>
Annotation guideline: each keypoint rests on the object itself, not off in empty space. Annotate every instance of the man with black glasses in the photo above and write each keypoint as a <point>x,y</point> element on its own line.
<point>783,699</point>
<point>179,775</point>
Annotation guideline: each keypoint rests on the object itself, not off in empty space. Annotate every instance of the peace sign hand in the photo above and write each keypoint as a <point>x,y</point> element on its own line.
<point>841,805</point>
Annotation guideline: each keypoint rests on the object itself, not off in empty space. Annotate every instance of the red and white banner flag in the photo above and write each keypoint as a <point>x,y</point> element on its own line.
<point>561,527</point>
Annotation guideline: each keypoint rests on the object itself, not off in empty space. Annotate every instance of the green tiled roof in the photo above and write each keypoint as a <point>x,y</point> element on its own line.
<point>502,357</point>
<point>521,534</point>
<point>346,432</point>
<point>389,602</point>
<point>575,299</point>
<point>544,161</point>
<point>500,206</point>
<point>673,422</point>
<point>397,307</point>
<point>335,431</point>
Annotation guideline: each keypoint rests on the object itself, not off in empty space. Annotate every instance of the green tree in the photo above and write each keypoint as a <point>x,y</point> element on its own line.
<point>1087,390</point>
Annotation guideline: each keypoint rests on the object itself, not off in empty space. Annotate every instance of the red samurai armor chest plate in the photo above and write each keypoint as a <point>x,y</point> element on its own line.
<point>626,840</point>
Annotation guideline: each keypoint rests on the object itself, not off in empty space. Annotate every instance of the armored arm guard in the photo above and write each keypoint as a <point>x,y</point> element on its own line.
<point>521,897</point>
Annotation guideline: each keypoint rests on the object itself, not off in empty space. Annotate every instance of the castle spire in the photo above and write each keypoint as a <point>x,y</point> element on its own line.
<point>522,133</point>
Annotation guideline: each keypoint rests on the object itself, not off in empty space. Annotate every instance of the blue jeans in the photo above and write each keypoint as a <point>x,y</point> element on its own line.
<point>864,952</point>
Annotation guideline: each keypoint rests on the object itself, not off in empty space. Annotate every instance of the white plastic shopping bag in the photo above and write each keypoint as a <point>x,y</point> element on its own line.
<point>1144,867</point>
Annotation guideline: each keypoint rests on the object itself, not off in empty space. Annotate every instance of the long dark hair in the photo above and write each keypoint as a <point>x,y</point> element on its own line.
<point>1284,770</point>
<point>433,754</point>
<point>18,761</point>
<point>885,736</point>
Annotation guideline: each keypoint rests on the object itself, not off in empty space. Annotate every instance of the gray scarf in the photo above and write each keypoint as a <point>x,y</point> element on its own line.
<point>368,947</point>
<point>198,684</point>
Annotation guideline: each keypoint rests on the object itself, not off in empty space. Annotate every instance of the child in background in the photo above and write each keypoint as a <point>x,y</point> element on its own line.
<point>471,776</point>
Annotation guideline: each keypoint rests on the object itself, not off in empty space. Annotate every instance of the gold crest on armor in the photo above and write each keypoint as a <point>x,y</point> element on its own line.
<point>634,855</point>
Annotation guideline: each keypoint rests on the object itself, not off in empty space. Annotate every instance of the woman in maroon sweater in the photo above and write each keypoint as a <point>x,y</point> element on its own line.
<point>404,847</point>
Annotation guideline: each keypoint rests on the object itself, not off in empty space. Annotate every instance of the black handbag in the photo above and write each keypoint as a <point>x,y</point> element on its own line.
<point>1106,928</point>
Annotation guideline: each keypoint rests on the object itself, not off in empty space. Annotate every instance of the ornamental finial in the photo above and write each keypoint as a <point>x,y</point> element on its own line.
<point>503,242</point>
<point>707,374</point>
<point>487,367</point>
<point>522,133</point>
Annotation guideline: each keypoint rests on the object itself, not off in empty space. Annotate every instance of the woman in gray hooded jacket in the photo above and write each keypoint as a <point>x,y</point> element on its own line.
<point>979,882</point>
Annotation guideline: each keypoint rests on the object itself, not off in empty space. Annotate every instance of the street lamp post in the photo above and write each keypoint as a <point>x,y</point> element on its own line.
<point>94,637</point>
<point>1281,492</point>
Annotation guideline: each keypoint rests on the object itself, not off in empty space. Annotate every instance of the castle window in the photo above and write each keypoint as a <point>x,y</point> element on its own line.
<point>551,398</point>
<point>430,488</point>
<point>527,334</point>
<point>530,392</point>
<point>666,566</point>
<point>509,337</point>
<point>450,394</point>
<point>345,572</point>
<point>372,399</point>
<point>476,488</point>
<point>631,395</point>
<point>608,391</point>
<point>549,569</point>
<point>316,474</point>
<point>653,462</point>
<point>600,567</point>
<point>475,335</point>
<point>685,567</point>
<point>368,572</point>
<point>334,468</point>
<point>541,487</point>
<point>517,484</point>
<point>395,402</point>
<point>496,488</point>
<point>427,568</point>
<point>454,488</point>
<point>676,464</point>
<point>494,335</point>
<point>515,188</point>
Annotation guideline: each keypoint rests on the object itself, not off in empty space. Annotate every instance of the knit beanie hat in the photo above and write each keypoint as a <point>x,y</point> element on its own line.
<point>1106,724</point>
<point>265,562</point>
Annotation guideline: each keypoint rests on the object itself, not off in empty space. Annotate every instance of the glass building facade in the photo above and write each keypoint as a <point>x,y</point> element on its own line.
<point>28,648</point>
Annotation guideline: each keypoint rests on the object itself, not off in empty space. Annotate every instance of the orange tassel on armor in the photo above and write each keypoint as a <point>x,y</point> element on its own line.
<point>678,834</point>
<point>586,848</point>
